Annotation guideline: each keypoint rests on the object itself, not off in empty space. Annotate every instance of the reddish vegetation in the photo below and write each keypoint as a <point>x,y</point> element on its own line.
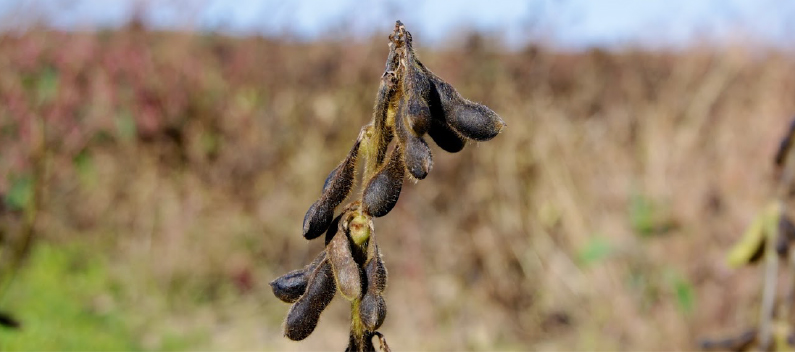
<point>190,159</point>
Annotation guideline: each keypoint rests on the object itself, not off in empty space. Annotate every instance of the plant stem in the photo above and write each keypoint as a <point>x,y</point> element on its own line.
<point>360,234</point>
<point>769,289</point>
<point>369,149</point>
<point>357,328</point>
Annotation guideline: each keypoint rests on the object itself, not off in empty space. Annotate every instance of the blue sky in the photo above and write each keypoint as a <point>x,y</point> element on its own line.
<point>565,23</point>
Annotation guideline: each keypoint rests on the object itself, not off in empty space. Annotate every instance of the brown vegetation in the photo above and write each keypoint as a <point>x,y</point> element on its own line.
<point>601,221</point>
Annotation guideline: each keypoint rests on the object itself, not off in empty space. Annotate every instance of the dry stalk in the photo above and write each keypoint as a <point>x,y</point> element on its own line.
<point>411,102</point>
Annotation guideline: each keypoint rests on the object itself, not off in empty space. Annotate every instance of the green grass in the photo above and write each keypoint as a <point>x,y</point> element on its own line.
<point>61,298</point>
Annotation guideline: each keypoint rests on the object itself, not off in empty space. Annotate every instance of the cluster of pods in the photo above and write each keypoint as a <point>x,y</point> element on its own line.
<point>411,102</point>
<point>348,265</point>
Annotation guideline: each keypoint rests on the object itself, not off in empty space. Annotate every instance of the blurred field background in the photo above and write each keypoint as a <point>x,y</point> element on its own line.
<point>163,176</point>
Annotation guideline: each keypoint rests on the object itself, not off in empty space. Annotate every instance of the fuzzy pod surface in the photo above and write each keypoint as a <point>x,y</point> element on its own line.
<point>305,313</point>
<point>416,88</point>
<point>383,190</point>
<point>374,269</point>
<point>372,311</point>
<point>336,188</point>
<point>445,137</point>
<point>382,133</point>
<point>346,271</point>
<point>416,153</point>
<point>362,344</point>
<point>440,131</point>
<point>291,286</point>
<point>470,119</point>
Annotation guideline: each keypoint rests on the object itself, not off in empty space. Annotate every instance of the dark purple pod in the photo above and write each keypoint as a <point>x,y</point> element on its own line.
<point>333,228</point>
<point>346,271</point>
<point>305,313</point>
<point>382,191</point>
<point>372,311</point>
<point>440,131</point>
<point>470,119</point>
<point>417,155</point>
<point>317,219</point>
<point>372,307</point>
<point>416,88</point>
<point>418,114</point>
<point>336,188</point>
<point>291,286</point>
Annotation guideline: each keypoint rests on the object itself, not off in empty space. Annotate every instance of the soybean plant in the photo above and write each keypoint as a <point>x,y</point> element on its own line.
<point>411,102</point>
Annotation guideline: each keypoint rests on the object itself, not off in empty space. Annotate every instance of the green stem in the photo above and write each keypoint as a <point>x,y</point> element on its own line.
<point>357,328</point>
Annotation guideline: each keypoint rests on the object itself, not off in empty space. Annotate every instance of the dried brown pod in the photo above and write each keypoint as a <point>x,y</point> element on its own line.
<point>305,313</point>
<point>384,109</point>
<point>383,190</point>
<point>346,271</point>
<point>417,154</point>
<point>381,132</point>
<point>375,270</point>
<point>291,286</point>
<point>336,188</point>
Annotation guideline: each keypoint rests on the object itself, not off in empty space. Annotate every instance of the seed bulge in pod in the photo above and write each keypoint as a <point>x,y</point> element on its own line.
<point>417,154</point>
<point>304,314</point>
<point>346,272</point>
<point>440,131</point>
<point>416,87</point>
<point>418,115</point>
<point>289,287</point>
<point>375,270</point>
<point>372,311</point>
<point>383,190</point>
<point>470,119</point>
<point>336,188</point>
<point>317,219</point>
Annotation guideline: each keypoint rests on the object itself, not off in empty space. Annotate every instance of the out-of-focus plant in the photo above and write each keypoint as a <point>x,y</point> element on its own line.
<point>411,102</point>
<point>769,236</point>
<point>22,204</point>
